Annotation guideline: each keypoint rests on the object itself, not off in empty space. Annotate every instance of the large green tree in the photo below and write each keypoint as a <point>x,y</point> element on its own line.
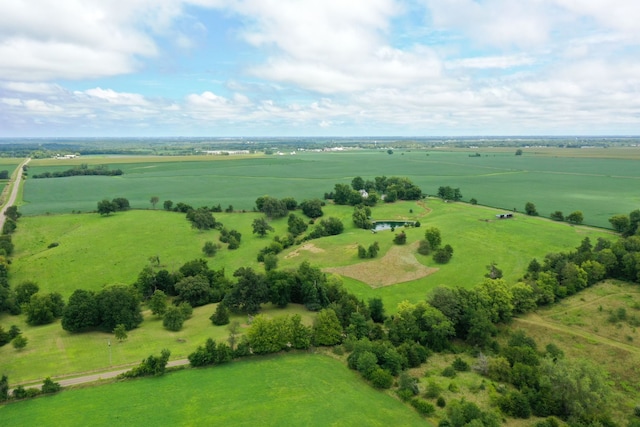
<point>194,289</point>
<point>44,308</point>
<point>296,225</point>
<point>106,207</point>
<point>326,328</point>
<point>312,208</point>
<point>575,217</point>
<point>249,292</point>
<point>261,227</point>
<point>158,303</point>
<point>173,318</point>
<point>81,312</point>
<point>119,304</point>
<point>201,219</point>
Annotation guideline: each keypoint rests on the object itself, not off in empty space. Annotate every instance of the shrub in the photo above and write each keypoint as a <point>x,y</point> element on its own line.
<point>404,395</point>
<point>381,379</point>
<point>173,319</point>
<point>424,248</point>
<point>19,392</point>
<point>49,386</point>
<point>441,402</point>
<point>423,408</point>
<point>400,239</point>
<point>460,365</point>
<point>433,390</point>
<point>443,255</point>
<point>449,372</point>
<point>220,316</point>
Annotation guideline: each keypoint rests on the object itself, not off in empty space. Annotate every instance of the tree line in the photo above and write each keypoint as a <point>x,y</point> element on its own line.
<point>82,170</point>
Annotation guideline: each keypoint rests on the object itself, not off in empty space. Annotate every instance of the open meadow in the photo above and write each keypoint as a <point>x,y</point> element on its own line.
<point>599,183</point>
<point>310,390</point>
<point>599,324</point>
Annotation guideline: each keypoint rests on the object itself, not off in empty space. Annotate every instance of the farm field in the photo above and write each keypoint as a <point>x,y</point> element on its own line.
<point>598,186</point>
<point>310,390</point>
<point>589,325</point>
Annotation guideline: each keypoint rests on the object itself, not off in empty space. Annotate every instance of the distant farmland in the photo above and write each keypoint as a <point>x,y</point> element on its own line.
<point>598,186</point>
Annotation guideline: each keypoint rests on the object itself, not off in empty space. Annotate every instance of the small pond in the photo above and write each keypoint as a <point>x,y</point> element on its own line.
<point>388,225</point>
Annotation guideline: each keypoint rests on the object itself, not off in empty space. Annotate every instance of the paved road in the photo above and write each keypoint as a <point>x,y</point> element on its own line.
<point>16,178</point>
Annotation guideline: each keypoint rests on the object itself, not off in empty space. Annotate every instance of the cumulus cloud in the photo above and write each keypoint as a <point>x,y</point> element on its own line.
<point>118,98</point>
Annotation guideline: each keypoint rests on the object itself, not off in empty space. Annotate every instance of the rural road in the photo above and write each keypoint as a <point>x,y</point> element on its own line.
<point>103,375</point>
<point>16,178</point>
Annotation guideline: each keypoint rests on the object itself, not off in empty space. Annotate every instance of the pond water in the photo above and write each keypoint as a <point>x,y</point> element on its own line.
<point>388,225</point>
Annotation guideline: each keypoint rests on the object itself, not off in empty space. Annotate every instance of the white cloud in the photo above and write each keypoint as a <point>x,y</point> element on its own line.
<point>491,66</point>
<point>492,62</point>
<point>119,98</point>
<point>49,39</point>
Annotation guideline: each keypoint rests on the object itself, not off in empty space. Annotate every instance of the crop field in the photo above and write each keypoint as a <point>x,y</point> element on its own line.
<point>566,180</point>
<point>600,324</point>
<point>309,390</point>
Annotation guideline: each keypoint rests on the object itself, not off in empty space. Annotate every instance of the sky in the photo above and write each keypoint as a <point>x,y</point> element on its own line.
<point>73,68</point>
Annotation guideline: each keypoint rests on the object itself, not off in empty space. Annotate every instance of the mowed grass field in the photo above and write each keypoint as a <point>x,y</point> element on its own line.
<point>599,185</point>
<point>582,327</point>
<point>294,390</point>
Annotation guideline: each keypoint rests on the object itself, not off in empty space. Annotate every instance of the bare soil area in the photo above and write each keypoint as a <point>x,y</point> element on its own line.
<point>398,265</point>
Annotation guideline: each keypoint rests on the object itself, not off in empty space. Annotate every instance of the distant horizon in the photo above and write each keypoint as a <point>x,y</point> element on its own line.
<point>239,137</point>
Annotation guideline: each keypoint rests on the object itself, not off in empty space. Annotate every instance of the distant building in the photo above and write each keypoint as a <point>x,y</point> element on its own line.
<point>225,152</point>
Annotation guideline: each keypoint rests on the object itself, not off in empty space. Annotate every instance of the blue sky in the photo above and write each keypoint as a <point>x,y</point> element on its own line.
<point>319,67</point>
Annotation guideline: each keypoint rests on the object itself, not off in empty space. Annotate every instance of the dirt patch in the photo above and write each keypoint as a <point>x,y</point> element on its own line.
<point>309,247</point>
<point>397,266</point>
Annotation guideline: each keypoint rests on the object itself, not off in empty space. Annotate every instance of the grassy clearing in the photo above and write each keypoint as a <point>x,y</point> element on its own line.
<point>582,328</point>
<point>51,351</point>
<point>599,186</point>
<point>297,389</point>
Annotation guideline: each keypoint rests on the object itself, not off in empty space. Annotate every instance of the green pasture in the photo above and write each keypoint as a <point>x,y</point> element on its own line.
<point>296,389</point>
<point>598,186</point>
<point>96,250</point>
<point>51,351</point>
<point>476,236</point>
